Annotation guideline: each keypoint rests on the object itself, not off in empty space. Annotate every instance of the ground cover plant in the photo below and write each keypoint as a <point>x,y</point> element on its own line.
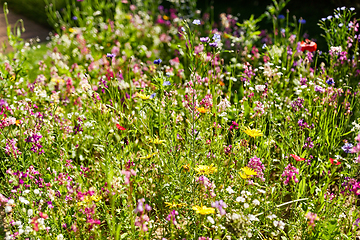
<point>138,121</point>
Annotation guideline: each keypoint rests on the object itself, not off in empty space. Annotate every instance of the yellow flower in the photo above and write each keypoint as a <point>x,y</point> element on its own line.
<point>156,141</point>
<point>247,173</point>
<point>175,205</point>
<point>202,110</point>
<point>143,96</point>
<point>149,156</point>
<point>253,132</point>
<point>203,210</point>
<point>165,17</point>
<point>128,16</point>
<point>203,169</point>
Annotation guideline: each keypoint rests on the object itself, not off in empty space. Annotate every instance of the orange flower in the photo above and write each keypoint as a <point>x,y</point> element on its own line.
<point>334,161</point>
<point>308,45</point>
<point>297,158</point>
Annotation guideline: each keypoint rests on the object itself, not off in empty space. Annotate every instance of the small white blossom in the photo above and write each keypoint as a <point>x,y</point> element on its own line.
<point>230,190</point>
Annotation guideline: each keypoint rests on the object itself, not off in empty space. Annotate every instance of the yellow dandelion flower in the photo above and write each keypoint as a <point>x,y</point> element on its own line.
<point>202,110</point>
<point>253,132</point>
<point>203,169</point>
<point>149,155</point>
<point>247,173</point>
<point>166,18</point>
<point>174,205</point>
<point>156,141</point>
<point>203,210</point>
<point>143,96</point>
<point>95,198</point>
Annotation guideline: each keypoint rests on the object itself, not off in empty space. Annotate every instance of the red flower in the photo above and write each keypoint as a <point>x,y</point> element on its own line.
<point>334,161</point>
<point>35,223</point>
<point>297,158</point>
<point>120,127</point>
<point>43,215</point>
<point>308,45</point>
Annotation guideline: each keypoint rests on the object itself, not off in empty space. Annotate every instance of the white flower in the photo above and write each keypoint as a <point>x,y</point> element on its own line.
<point>260,88</point>
<point>281,225</point>
<point>252,217</point>
<point>24,200</point>
<point>21,231</point>
<point>210,219</point>
<point>28,230</point>
<point>256,202</point>
<point>261,191</point>
<point>26,191</point>
<point>271,217</point>
<point>36,191</point>
<point>240,199</point>
<point>8,209</point>
<point>18,223</point>
<point>30,212</point>
<point>60,237</point>
<point>230,190</point>
<point>11,202</point>
<point>246,205</point>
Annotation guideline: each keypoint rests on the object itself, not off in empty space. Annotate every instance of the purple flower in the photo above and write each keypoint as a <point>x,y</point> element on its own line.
<point>213,44</point>
<point>220,205</point>
<point>357,221</point>
<point>302,21</point>
<point>204,39</point>
<point>152,95</point>
<point>166,83</point>
<point>281,16</point>
<point>347,147</point>
<point>110,55</point>
<point>157,61</point>
<point>74,18</point>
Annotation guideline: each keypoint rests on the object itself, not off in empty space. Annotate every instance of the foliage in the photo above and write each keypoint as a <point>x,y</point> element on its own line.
<point>133,124</point>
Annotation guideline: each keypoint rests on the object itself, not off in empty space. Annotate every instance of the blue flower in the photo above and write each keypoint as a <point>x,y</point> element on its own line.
<point>157,61</point>
<point>196,22</point>
<point>152,95</point>
<point>110,55</point>
<point>166,83</point>
<point>302,21</point>
<point>216,37</point>
<point>347,147</point>
<point>74,18</point>
<point>330,81</point>
<point>281,16</point>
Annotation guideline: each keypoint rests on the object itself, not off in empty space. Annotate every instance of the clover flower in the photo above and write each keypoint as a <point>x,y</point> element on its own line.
<point>312,217</point>
<point>290,172</point>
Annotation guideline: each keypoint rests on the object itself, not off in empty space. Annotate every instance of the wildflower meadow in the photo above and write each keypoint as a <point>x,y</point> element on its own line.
<point>146,120</point>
